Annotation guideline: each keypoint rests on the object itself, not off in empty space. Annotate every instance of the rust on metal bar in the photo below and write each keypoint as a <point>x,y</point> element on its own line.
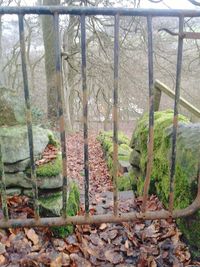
<point>98,219</point>
<point>115,114</point>
<point>176,111</point>
<point>191,35</point>
<point>183,35</point>
<point>3,188</point>
<point>151,113</point>
<point>28,115</point>
<point>61,114</point>
<point>85,112</point>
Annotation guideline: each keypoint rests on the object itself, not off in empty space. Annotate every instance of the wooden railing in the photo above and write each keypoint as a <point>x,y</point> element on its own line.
<point>162,88</point>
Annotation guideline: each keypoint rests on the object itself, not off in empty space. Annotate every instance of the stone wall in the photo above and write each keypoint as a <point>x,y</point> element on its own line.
<point>188,158</point>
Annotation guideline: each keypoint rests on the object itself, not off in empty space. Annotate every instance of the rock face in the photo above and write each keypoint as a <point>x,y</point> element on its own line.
<point>14,142</point>
<point>188,158</point>
<point>15,150</point>
<point>16,161</point>
<point>12,108</point>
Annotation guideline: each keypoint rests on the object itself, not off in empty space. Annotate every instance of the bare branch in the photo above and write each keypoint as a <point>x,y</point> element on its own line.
<point>194,2</point>
<point>155,1</point>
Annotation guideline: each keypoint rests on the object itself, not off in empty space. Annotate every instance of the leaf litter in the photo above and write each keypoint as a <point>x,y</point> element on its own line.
<point>141,243</point>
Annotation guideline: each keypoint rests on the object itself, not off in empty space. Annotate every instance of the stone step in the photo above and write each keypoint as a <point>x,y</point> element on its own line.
<point>102,203</point>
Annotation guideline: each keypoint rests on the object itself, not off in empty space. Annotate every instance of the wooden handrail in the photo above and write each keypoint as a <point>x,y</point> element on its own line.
<point>161,87</point>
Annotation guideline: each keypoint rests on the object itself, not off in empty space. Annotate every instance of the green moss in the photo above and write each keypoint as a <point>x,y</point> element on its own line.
<point>185,189</point>
<point>105,138</point>
<point>126,182</point>
<point>50,169</point>
<point>110,164</point>
<point>191,230</point>
<point>108,136</point>
<point>163,120</point>
<point>160,171</point>
<point>52,140</point>
<point>73,204</point>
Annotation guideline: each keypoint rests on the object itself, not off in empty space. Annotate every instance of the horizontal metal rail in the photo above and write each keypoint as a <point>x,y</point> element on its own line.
<point>111,11</point>
<point>97,219</point>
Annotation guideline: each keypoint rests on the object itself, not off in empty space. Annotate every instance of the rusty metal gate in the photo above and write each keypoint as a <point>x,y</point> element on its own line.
<point>82,12</point>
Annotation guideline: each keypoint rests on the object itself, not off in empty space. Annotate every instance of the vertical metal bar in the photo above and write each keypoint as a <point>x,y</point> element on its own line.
<point>28,116</point>
<point>85,112</point>
<point>58,77</point>
<point>115,114</point>
<point>151,113</point>
<point>3,188</point>
<point>176,107</point>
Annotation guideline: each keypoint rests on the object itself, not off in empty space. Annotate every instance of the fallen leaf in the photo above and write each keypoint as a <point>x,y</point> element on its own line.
<point>96,240</point>
<point>2,248</point>
<point>2,260</point>
<point>139,227</point>
<point>57,262</point>
<point>80,261</point>
<point>112,234</point>
<point>153,263</point>
<point>103,226</point>
<point>32,236</point>
<point>126,245</point>
<point>113,257</point>
<point>72,248</point>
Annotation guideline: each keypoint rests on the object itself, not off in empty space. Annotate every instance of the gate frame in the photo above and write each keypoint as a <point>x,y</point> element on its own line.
<point>55,11</point>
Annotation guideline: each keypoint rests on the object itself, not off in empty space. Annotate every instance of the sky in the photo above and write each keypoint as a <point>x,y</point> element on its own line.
<point>179,4</point>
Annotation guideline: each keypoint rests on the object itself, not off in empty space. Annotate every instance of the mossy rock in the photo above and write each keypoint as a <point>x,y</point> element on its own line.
<point>187,160</point>
<point>51,205</point>
<point>50,169</point>
<point>105,138</point>
<point>49,175</point>
<point>126,182</point>
<point>52,140</point>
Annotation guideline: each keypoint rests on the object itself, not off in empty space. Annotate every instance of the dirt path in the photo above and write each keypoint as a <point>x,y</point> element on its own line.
<point>148,243</point>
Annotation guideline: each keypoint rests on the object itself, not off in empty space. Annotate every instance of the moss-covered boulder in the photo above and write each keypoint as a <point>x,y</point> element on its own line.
<point>124,150</point>
<point>188,158</point>
<point>51,205</point>
<point>49,175</point>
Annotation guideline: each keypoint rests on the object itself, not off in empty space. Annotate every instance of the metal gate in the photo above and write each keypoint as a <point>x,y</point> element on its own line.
<point>149,14</point>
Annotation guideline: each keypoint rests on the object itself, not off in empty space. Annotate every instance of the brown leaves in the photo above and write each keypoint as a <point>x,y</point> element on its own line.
<point>2,260</point>
<point>62,259</point>
<point>113,257</point>
<point>32,236</point>
<point>103,226</point>
<point>48,155</point>
<point>141,243</point>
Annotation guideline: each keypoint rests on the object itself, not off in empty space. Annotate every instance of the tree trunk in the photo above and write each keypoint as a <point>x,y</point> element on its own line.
<point>69,72</point>
<point>106,122</point>
<point>50,64</point>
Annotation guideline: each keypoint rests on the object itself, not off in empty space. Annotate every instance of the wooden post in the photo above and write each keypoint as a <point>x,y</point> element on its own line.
<point>157,98</point>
